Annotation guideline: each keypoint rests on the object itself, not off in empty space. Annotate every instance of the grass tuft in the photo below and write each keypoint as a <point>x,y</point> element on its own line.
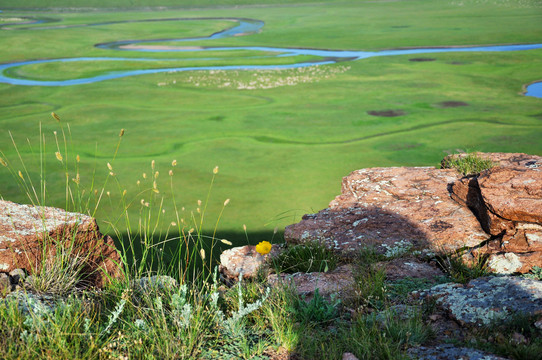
<point>462,271</point>
<point>306,258</point>
<point>468,164</point>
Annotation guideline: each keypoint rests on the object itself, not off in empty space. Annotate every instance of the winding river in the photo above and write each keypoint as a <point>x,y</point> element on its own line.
<point>242,27</point>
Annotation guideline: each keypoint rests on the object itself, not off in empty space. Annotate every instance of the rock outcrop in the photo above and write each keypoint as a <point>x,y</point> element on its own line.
<point>498,212</point>
<point>488,299</point>
<point>28,234</point>
<point>507,201</point>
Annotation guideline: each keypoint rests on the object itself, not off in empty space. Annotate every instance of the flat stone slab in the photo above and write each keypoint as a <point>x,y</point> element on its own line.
<point>487,299</point>
<point>337,281</point>
<point>450,352</point>
<point>387,206</point>
<point>410,267</point>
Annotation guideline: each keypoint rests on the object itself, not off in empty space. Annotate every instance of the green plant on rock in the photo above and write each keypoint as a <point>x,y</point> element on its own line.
<point>462,270</point>
<point>317,309</point>
<point>469,164</point>
<point>514,337</point>
<point>535,273</point>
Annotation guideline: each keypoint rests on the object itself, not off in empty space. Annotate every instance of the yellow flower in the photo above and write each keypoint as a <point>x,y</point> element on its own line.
<point>264,247</point>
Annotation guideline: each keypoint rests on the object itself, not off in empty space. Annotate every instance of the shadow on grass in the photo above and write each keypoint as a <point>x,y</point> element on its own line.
<point>170,254</point>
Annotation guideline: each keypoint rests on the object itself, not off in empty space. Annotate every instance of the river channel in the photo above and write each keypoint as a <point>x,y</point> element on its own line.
<point>242,27</point>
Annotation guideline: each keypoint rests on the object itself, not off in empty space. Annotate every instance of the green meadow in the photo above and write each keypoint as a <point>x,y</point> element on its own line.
<point>282,139</point>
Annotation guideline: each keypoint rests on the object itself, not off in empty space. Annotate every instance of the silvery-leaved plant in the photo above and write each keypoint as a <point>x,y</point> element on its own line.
<point>182,310</point>
<point>233,322</point>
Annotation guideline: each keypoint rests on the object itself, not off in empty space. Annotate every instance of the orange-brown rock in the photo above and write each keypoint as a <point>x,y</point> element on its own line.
<point>498,212</point>
<point>29,233</point>
<point>338,281</point>
<point>513,194</point>
<point>466,191</point>
<point>384,206</point>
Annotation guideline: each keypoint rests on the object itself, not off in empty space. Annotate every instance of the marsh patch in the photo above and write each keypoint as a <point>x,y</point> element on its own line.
<point>217,118</point>
<point>421,59</point>
<point>451,104</point>
<point>400,146</point>
<point>386,113</point>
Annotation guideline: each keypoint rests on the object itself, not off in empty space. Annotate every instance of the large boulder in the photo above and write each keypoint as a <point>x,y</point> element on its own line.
<point>507,200</point>
<point>497,212</point>
<point>383,207</point>
<point>31,235</point>
<point>488,299</point>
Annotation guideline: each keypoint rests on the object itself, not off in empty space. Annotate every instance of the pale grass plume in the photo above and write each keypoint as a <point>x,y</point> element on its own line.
<point>58,156</point>
<point>21,175</point>
<point>152,165</point>
<point>144,175</point>
<point>215,170</point>
<point>55,116</point>
<point>227,242</point>
<point>138,182</point>
<point>156,175</point>
<point>202,254</point>
<point>170,172</point>
<point>199,202</point>
<point>174,163</point>
<point>121,134</point>
<point>173,223</point>
<point>226,202</point>
<point>111,173</point>
<point>244,227</point>
<point>108,193</point>
<point>77,158</point>
<point>3,162</point>
<point>76,179</point>
<point>109,167</point>
<point>124,193</point>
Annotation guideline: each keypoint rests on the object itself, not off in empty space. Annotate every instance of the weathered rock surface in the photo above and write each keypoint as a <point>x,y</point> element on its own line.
<point>25,229</point>
<point>410,267</point>
<point>386,205</point>
<point>243,259</point>
<point>349,356</point>
<point>450,352</point>
<point>337,281</point>
<point>498,212</point>
<point>513,194</point>
<point>488,299</point>
<point>507,200</point>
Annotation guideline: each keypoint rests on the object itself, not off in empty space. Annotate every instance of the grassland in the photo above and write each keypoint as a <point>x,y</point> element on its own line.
<point>281,150</point>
